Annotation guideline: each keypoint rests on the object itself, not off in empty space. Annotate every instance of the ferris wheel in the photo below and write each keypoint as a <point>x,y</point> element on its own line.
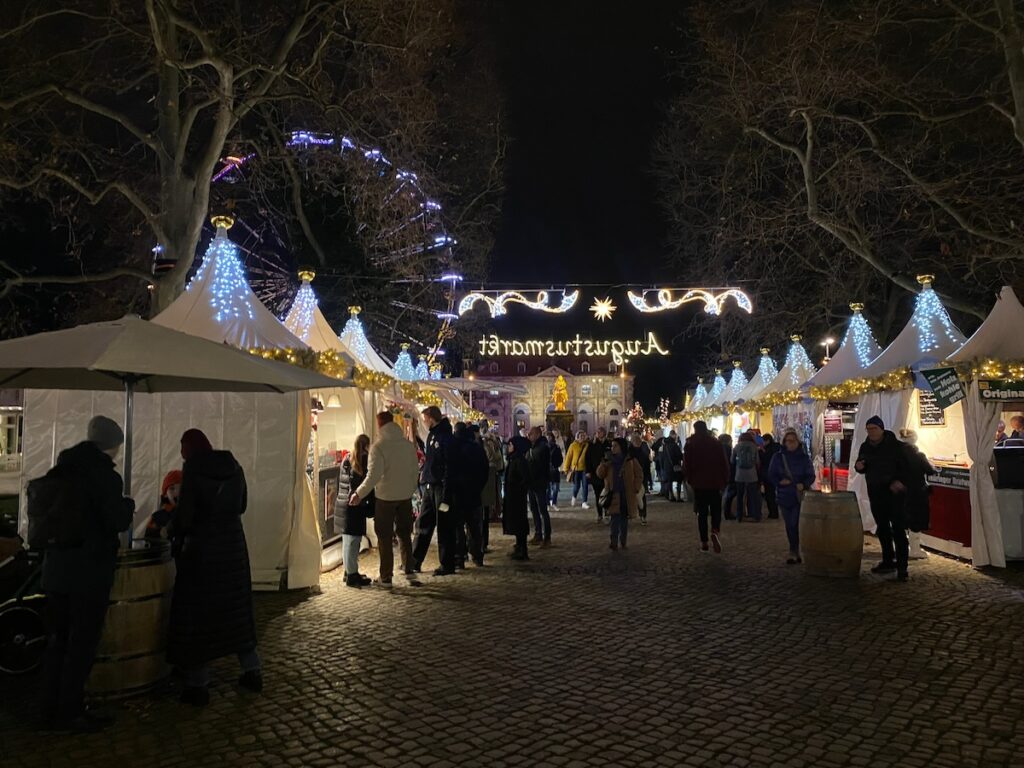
<point>388,247</point>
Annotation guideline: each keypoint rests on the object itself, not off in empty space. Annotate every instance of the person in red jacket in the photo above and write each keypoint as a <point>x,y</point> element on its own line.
<point>707,472</point>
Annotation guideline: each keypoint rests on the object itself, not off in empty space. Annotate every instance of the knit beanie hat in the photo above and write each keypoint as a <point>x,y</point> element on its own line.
<point>105,433</point>
<point>877,421</point>
<point>171,478</point>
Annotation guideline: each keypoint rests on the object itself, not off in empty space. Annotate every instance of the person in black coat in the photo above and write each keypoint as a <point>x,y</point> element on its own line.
<point>539,460</point>
<point>768,451</point>
<point>917,503</point>
<point>467,477</point>
<point>350,521</point>
<point>883,462</point>
<point>211,608</point>
<point>599,449</point>
<point>436,509</point>
<point>77,580</point>
<point>514,516</point>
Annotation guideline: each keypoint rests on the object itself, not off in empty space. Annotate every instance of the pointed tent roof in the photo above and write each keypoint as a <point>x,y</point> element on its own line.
<point>700,395</point>
<point>927,339</point>
<point>797,369</point>
<point>856,353</point>
<point>1000,335</point>
<point>307,323</point>
<point>717,390</point>
<point>353,337</point>
<point>219,305</point>
<point>765,375</point>
<point>737,383</point>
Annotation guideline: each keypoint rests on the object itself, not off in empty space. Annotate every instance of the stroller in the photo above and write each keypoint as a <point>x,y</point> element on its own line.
<point>22,608</point>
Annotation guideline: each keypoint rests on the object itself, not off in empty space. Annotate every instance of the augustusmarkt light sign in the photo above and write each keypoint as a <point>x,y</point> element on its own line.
<point>493,345</point>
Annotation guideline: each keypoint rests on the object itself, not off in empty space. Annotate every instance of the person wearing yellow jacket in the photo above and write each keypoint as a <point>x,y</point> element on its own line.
<point>575,468</point>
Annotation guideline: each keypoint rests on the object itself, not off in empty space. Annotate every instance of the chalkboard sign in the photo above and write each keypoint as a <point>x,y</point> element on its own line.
<point>928,410</point>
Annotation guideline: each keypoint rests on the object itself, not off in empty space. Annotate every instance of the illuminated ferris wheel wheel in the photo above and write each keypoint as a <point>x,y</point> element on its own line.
<point>388,248</point>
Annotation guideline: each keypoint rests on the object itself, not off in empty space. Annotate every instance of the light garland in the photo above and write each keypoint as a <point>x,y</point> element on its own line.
<point>766,369</point>
<point>859,334</point>
<point>368,379</point>
<point>699,396</point>
<point>300,317</point>
<point>404,369</point>
<point>422,370</point>
<point>328,362</point>
<point>230,295</point>
<point>893,381</point>
<point>634,417</point>
<point>663,411</point>
<point>737,383</point>
<point>799,364</point>
<point>930,318</point>
<point>497,303</point>
<point>409,390</point>
<point>713,303</point>
<point>991,368</point>
<point>353,335</point>
<point>717,387</point>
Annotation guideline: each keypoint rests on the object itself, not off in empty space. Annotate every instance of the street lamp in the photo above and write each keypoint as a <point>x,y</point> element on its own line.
<point>827,344</point>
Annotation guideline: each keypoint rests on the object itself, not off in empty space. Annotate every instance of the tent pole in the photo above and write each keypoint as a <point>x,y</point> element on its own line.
<point>129,413</point>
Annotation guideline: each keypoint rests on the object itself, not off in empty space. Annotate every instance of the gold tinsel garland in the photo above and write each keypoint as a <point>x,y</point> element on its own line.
<point>991,368</point>
<point>895,380</point>
<point>329,363</point>
<point>364,378</point>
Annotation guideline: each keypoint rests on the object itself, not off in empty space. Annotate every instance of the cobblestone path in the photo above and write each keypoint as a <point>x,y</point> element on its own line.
<point>655,656</point>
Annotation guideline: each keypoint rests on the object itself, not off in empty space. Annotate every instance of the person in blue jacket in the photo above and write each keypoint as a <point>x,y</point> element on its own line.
<point>792,473</point>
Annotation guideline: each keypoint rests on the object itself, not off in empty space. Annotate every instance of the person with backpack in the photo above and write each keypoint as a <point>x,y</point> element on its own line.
<point>746,478</point>
<point>211,608</point>
<point>75,515</point>
<point>792,473</point>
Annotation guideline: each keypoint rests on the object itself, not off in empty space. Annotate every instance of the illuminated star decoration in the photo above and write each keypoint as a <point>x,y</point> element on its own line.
<point>496,303</point>
<point>713,302</point>
<point>602,308</point>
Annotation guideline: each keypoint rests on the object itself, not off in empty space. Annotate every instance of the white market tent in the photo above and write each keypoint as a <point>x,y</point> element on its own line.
<point>999,337</point>
<point>856,353</point>
<point>797,369</point>
<point>268,433</point>
<point>928,339</point>
<point>717,391</point>
<point>737,383</point>
<point>762,378</point>
<point>353,337</point>
<point>700,396</point>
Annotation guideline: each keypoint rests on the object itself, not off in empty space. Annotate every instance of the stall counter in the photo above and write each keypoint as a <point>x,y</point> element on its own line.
<point>950,511</point>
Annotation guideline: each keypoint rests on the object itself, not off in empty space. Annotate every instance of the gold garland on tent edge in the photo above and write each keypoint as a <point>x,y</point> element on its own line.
<point>991,368</point>
<point>893,381</point>
<point>329,363</point>
<point>364,378</point>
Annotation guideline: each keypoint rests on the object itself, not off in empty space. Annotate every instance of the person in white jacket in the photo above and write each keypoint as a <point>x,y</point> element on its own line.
<point>392,475</point>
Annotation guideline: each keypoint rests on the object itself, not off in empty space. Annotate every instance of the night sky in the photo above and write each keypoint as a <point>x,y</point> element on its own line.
<point>585,88</point>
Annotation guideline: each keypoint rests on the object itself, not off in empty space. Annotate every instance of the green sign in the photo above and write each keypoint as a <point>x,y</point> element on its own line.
<point>945,386</point>
<point>1000,389</point>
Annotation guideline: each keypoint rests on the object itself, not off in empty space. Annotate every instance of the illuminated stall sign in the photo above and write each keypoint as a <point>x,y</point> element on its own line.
<point>618,349</point>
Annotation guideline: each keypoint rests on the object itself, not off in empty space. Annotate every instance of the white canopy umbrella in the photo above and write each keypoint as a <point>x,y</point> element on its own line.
<point>135,355</point>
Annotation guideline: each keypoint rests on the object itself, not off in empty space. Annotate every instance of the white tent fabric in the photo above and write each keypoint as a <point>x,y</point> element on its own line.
<point>717,391</point>
<point>765,375</point>
<point>318,335</point>
<point>737,383</point>
<point>893,408</point>
<point>980,421</point>
<point>927,339</point>
<point>850,361</point>
<point>797,369</point>
<point>200,310</point>
<point>697,402</point>
<point>353,337</point>
<point>1000,336</point>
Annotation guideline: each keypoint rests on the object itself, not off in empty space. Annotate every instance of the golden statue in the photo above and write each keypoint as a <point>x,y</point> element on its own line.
<point>560,394</point>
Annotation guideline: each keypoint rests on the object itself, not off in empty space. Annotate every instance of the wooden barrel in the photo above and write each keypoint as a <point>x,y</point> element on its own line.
<point>130,657</point>
<point>831,534</point>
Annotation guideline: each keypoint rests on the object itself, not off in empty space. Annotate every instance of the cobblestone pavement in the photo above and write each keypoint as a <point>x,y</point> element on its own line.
<point>655,656</point>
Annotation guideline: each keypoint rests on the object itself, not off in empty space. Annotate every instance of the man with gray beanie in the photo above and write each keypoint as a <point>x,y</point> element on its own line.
<point>77,579</point>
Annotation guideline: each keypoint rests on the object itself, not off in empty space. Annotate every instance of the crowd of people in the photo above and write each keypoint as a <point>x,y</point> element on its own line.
<point>457,482</point>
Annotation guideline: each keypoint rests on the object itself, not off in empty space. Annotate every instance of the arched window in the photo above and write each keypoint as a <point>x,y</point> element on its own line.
<point>494,367</point>
<point>584,367</point>
<point>521,368</point>
<point>613,412</point>
<point>495,413</point>
<point>613,368</point>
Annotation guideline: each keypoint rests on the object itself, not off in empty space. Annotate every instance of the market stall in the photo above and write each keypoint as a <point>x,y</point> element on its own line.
<point>745,416</point>
<point>993,359</point>
<point>833,439</point>
<point>890,387</point>
<point>790,408</point>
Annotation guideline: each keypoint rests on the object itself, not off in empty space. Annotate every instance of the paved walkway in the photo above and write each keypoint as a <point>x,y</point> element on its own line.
<point>656,656</point>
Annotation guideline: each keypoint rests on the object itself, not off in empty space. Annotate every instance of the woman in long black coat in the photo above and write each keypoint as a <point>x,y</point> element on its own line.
<point>350,521</point>
<point>514,518</point>
<point>211,609</point>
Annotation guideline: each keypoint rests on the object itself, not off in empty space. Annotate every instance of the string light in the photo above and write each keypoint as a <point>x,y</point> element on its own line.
<point>663,411</point>
<point>300,317</point>
<point>497,303</point>
<point>353,336</point>
<point>859,334</point>
<point>713,303</point>
<point>404,369</point>
<point>799,364</point>
<point>766,369</point>
<point>603,308</point>
<point>422,370</point>
<point>700,395</point>
<point>737,383</point>
<point>230,295</point>
<point>931,319</point>
<point>365,378</point>
<point>717,388</point>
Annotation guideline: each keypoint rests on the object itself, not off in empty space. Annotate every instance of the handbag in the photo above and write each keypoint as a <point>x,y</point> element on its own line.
<point>789,474</point>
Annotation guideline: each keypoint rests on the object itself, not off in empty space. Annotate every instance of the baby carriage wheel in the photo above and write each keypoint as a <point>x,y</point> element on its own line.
<point>22,637</point>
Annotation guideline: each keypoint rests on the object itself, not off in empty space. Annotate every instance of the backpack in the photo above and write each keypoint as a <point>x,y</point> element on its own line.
<point>745,459</point>
<point>57,510</point>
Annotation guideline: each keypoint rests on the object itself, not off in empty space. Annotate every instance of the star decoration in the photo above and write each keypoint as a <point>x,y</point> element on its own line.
<point>602,308</point>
